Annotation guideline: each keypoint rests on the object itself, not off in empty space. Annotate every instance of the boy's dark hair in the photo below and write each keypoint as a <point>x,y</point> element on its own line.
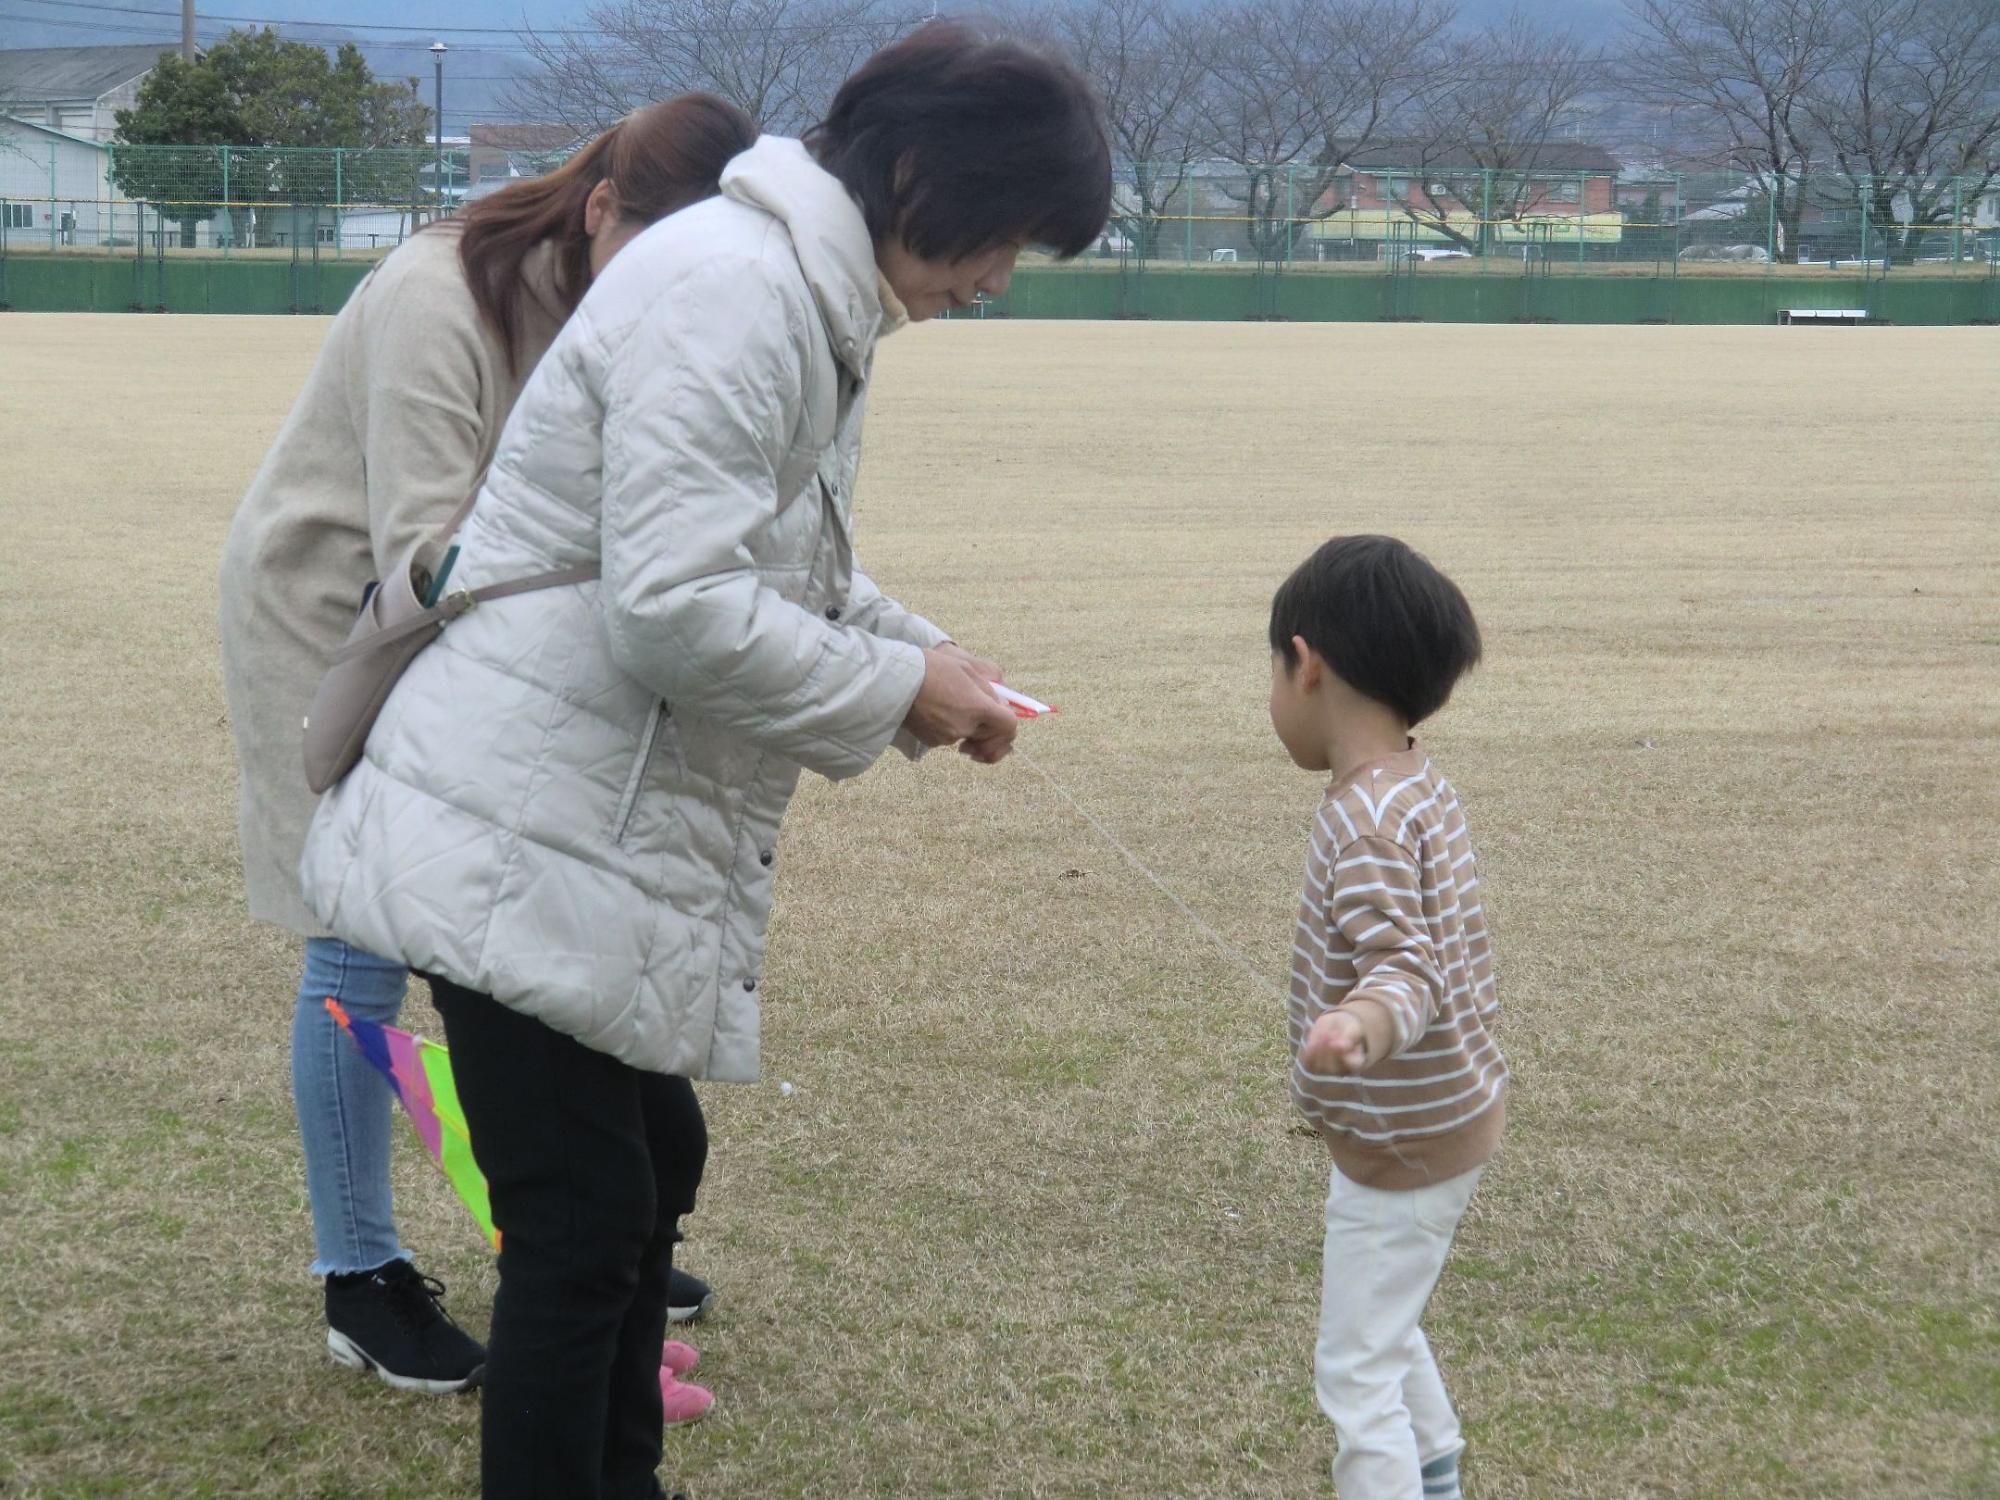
<point>1390,625</point>
<point>955,144</point>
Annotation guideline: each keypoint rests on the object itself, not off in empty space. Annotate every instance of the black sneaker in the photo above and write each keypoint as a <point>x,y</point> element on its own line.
<point>389,1320</point>
<point>688,1297</point>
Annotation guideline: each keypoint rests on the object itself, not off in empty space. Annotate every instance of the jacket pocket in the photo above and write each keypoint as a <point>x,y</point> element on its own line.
<point>635,783</point>
<point>836,526</point>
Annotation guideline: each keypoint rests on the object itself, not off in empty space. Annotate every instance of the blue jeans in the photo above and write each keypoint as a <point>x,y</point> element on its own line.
<point>344,1107</point>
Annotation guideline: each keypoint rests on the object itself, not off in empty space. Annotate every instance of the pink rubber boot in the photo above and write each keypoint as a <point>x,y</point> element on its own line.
<point>678,1358</point>
<point>680,1402</point>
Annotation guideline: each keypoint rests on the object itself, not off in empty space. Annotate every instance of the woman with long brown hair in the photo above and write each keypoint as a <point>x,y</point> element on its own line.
<point>394,429</point>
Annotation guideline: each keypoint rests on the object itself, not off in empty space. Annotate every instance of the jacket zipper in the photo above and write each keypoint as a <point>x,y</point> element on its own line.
<point>636,783</point>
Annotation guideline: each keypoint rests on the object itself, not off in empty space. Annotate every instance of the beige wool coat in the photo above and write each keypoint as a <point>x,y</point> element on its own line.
<point>396,425</point>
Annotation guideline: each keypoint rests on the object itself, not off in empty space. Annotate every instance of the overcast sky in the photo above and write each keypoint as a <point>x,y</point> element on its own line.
<point>396,33</point>
<point>480,63</point>
<point>48,23</point>
<point>52,23</point>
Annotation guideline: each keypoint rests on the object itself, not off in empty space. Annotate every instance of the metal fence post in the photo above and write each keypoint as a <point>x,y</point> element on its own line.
<point>1486,235</point>
<point>52,197</point>
<point>1680,216</point>
<point>339,216</point>
<point>1771,229</point>
<point>1582,213</point>
<point>1866,214</point>
<point>1957,221</point>
<point>107,221</point>
<point>1387,195</point>
<point>1189,260</point>
<point>1291,211</point>
<point>228,209</point>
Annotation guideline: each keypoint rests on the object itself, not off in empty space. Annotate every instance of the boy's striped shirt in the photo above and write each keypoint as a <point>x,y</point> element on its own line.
<point>1392,927</point>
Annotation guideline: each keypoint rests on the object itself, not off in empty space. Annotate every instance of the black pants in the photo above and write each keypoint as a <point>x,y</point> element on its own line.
<point>590,1164</point>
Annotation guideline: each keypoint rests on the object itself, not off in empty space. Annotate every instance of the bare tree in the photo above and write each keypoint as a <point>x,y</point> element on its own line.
<point>1742,73</point>
<point>780,60</point>
<point>12,108</point>
<point>1296,85</point>
<point>1480,147</point>
<point>1148,61</point>
<point>1910,113</point>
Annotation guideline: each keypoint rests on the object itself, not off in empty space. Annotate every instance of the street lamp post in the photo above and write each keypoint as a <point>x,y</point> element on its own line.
<point>437,108</point>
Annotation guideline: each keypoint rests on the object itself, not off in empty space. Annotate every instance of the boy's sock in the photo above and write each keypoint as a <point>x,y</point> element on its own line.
<point>1441,1479</point>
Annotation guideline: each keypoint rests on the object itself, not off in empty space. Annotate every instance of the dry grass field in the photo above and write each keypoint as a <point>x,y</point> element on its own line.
<point>1036,1221</point>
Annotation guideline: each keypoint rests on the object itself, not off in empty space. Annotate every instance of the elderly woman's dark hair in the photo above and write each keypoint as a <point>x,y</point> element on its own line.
<point>955,144</point>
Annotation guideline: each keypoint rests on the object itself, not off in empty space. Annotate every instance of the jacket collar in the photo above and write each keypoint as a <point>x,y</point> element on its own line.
<point>831,239</point>
<point>894,314</point>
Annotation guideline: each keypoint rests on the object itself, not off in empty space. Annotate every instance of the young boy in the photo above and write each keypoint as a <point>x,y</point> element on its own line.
<point>1392,992</point>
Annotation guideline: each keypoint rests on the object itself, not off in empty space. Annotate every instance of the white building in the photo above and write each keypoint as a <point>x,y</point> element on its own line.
<point>57,191</point>
<point>77,90</point>
<point>54,188</point>
<point>58,112</point>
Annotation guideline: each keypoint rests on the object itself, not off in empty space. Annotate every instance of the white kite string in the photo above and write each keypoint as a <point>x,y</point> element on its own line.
<point>1229,949</point>
<point>1235,954</point>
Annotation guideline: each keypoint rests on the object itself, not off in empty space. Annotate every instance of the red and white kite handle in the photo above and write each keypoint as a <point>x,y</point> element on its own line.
<point>1024,707</point>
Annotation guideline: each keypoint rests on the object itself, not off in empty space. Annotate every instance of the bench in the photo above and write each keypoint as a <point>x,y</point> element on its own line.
<point>1823,315</point>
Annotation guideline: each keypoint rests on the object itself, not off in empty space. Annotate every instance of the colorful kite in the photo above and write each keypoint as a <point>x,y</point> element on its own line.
<point>420,1072</point>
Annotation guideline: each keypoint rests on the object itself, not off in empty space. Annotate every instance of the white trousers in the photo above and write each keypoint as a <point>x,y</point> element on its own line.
<point>1373,1367</point>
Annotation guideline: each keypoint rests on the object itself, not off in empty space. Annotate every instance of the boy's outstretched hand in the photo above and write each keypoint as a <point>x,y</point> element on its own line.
<point>1336,1044</point>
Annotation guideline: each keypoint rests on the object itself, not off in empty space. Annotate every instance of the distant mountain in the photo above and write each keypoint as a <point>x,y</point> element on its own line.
<point>1598,20</point>
<point>477,75</point>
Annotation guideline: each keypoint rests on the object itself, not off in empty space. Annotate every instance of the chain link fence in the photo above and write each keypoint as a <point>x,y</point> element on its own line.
<point>162,225</point>
<point>65,194</point>
<point>1486,220</point>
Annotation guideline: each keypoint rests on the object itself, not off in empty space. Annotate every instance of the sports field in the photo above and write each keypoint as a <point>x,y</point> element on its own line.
<point>1035,1220</point>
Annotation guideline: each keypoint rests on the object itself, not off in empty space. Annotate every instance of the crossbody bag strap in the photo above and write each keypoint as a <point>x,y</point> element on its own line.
<point>457,602</point>
<point>443,535</point>
<point>554,579</point>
